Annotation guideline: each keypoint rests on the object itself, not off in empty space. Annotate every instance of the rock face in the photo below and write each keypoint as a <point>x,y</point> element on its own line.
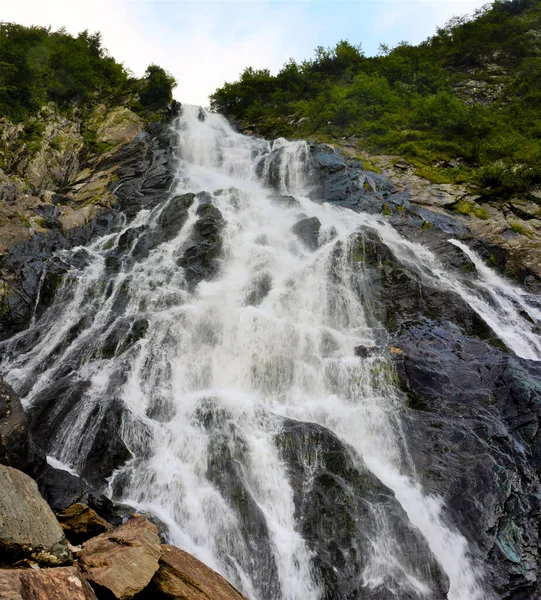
<point>62,583</point>
<point>509,233</point>
<point>472,426</point>
<point>471,409</point>
<point>200,255</point>
<point>183,576</point>
<point>28,528</point>
<point>339,505</point>
<point>307,230</point>
<point>124,560</point>
<point>15,446</point>
<point>37,219</point>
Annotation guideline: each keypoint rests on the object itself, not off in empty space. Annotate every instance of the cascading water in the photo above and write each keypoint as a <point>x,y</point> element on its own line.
<point>211,332</point>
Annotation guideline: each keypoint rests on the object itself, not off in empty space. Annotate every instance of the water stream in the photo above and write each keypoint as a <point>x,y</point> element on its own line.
<point>270,336</point>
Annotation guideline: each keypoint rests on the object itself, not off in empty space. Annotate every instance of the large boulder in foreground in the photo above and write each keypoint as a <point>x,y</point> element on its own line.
<point>124,560</point>
<point>183,576</point>
<point>63,583</point>
<point>28,527</point>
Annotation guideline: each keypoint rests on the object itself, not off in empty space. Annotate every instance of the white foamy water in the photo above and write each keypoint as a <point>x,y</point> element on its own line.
<point>272,335</point>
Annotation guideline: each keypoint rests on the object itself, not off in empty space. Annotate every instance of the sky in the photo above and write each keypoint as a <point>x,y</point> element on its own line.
<point>206,43</point>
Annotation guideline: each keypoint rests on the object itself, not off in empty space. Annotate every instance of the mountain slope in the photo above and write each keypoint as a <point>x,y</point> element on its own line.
<point>464,103</point>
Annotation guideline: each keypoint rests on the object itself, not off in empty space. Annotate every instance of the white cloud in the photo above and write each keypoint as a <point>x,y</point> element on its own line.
<point>202,44</point>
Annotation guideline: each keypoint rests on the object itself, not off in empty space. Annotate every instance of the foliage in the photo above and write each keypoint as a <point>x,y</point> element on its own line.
<point>463,105</point>
<point>38,65</point>
<point>157,90</point>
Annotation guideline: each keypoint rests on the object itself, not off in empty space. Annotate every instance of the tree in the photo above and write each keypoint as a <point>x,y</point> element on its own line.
<point>157,91</point>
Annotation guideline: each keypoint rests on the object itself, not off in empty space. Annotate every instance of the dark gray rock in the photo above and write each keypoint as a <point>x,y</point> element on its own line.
<point>108,451</point>
<point>285,201</point>
<point>337,502</point>
<point>102,449</point>
<point>199,257</point>
<point>397,293</point>
<point>17,449</point>
<point>307,230</point>
<point>14,443</point>
<point>226,457</point>
<point>123,334</point>
<point>260,286</point>
<point>333,180</point>
<point>472,428</point>
<point>174,215</point>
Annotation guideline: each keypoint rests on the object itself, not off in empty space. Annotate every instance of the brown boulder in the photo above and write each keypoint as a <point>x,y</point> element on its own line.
<point>181,576</point>
<point>123,560</point>
<point>28,527</point>
<point>62,583</point>
<point>80,523</point>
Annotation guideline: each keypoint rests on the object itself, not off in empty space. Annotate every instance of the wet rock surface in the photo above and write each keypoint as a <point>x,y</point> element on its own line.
<point>225,466</point>
<point>340,504</point>
<point>472,425</point>
<point>307,230</point>
<point>17,449</point>
<point>470,416</point>
<point>135,173</point>
<point>200,254</point>
<point>508,234</point>
<point>472,408</point>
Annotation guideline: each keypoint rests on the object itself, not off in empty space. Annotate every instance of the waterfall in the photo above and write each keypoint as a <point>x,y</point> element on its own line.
<point>209,326</point>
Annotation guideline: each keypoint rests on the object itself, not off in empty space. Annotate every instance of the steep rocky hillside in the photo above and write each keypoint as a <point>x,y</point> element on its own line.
<point>78,140</point>
<point>462,107</point>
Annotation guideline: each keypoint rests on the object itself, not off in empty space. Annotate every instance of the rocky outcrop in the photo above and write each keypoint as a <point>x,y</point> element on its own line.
<point>68,192</point>
<point>181,575</point>
<point>16,447</point>
<point>339,506</point>
<point>472,425</point>
<point>200,255</point>
<point>28,527</point>
<point>62,583</point>
<point>123,561</point>
<point>471,409</point>
<point>307,230</point>
<point>507,234</point>
<point>397,292</point>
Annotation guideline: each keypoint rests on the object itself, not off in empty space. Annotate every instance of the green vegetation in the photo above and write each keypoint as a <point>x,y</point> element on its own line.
<point>38,65</point>
<point>469,208</point>
<point>463,106</point>
<point>520,229</point>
